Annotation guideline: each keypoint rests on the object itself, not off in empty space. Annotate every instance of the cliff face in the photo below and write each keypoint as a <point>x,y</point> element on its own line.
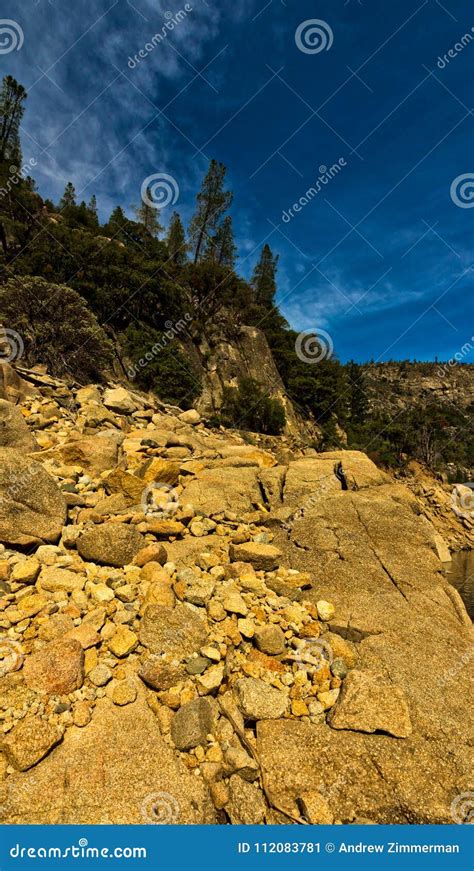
<point>230,352</point>
<point>258,640</point>
<point>392,386</point>
<point>246,355</point>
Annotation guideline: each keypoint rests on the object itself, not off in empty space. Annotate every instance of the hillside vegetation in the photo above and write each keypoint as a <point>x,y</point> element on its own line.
<point>130,293</point>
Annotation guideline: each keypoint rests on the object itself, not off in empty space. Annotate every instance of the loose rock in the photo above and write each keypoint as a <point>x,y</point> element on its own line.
<point>259,701</point>
<point>191,724</point>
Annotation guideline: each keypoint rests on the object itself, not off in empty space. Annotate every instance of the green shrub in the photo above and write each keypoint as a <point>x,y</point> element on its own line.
<point>248,407</point>
<point>161,366</point>
<point>56,327</point>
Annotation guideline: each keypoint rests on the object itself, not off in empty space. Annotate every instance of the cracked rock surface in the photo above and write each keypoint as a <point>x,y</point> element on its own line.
<point>195,632</point>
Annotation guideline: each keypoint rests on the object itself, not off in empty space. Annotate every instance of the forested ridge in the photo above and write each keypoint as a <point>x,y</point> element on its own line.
<point>81,293</point>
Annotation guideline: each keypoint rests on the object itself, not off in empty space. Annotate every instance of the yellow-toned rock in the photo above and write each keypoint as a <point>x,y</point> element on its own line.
<point>123,642</point>
<point>299,708</point>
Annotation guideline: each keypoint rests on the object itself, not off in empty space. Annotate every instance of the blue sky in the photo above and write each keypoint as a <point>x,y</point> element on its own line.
<point>381,257</point>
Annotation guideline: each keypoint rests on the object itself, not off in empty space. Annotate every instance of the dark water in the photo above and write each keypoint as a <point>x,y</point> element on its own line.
<point>460,573</point>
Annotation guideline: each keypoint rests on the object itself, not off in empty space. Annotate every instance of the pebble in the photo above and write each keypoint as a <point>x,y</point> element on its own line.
<point>326,610</point>
<point>123,642</point>
<point>100,675</point>
<point>339,668</point>
<point>233,603</point>
<point>82,714</point>
<point>197,664</point>
<point>123,693</point>
<point>270,639</point>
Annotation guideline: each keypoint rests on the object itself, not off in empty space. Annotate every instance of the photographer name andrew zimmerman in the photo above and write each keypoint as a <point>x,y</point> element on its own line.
<point>344,847</point>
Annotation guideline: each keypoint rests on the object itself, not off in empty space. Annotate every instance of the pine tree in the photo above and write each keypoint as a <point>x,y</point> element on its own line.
<point>264,278</point>
<point>176,240</point>
<point>12,97</point>
<point>92,209</point>
<point>117,224</point>
<point>147,215</point>
<point>358,401</point>
<point>212,202</point>
<point>221,249</point>
<point>69,196</point>
<point>118,218</point>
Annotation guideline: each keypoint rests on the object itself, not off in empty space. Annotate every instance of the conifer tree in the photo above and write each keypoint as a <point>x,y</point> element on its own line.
<point>221,248</point>
<point>92,208</point>
<point>176,240</point>
<point>118,218</point>
<point>264,278</point>
<point>358,401</point>
<point>12,97</point>
<point>148,216</point>
<point>212,202</point>
<point>69,196</point>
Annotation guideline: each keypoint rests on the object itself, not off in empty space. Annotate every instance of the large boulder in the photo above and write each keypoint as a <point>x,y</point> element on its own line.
<point>371,554</point>
<point>14,432</point>
<point>96,454</point>
<point>310,480</point>
<point>58,668</point>
<point>32,508</point>
<point>120,400</point>
<point>101,774</point>
<point>110,544</point>
<point>226,489</point>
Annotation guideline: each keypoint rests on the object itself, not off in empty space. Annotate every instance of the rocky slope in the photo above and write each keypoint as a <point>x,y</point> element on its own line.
<point>392,386</point>
<point>196,631</point>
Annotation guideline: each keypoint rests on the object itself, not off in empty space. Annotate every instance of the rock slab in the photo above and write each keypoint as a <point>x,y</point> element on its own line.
<point>369,704</point>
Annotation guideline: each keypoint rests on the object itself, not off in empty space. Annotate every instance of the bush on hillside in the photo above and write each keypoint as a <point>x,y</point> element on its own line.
<point>55,327</point>
<point>160,365</point>
<point>248,407</point>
